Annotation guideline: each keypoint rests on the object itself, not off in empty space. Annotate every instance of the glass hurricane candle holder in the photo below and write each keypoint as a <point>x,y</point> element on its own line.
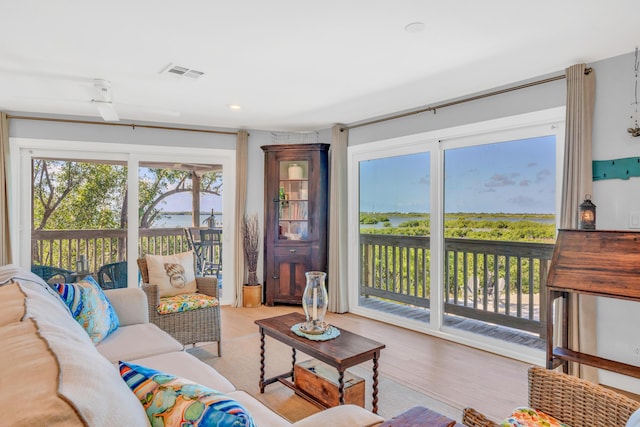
<point>314,303</point>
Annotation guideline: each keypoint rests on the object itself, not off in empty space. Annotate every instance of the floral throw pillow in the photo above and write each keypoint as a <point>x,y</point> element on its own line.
<point>529,417</point>
<point>90,307</point>
<point>170,401</point>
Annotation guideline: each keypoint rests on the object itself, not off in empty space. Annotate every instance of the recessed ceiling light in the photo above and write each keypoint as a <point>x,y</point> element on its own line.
<point>415,27</point>
<point>234,106</point>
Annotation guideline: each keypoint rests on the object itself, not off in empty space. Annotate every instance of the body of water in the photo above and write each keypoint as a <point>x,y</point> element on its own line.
<point>183,220</point>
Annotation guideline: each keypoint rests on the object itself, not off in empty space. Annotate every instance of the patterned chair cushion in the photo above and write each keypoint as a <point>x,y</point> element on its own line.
<point>170,401</point>
<point>90,307</point>
<point>529,417</point>
<point>185,302</point>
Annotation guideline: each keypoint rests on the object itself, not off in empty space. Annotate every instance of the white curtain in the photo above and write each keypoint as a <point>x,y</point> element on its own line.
<point>577,183</point>
<point>242,154</point>
<point>5,241</point>
<point>338,262</point>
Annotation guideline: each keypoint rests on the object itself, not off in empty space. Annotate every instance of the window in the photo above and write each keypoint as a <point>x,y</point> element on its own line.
<point>111,196</point>
<point>453,229</point>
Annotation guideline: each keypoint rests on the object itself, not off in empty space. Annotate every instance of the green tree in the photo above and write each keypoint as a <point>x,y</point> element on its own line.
<point>87,195</point>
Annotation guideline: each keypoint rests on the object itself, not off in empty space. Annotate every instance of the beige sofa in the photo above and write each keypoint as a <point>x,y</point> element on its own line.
<point>53,374</point>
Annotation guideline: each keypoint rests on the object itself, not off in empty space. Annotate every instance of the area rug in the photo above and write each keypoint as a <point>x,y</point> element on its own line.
<point>240,364</point>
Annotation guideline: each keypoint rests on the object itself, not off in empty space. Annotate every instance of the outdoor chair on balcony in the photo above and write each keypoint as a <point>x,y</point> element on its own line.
<point>53,275</point>
<point>192,235</point>
<point>211,251</point>
<point>113,276</point>
<point>181,304</point>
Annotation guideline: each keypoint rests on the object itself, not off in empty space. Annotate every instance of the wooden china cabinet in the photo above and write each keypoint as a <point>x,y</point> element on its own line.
<point>295,226</point>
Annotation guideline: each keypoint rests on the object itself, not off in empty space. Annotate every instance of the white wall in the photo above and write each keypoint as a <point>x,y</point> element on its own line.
<point>618,333</point>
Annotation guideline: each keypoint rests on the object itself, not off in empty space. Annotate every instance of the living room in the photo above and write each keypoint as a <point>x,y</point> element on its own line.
<point>615,79</point>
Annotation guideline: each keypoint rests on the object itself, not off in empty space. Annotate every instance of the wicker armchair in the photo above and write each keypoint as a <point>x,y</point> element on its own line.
<point>188,327</point>
<point>572,400</point>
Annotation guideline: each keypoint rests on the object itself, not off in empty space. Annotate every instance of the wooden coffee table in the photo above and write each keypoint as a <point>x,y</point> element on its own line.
<point>343,352</point>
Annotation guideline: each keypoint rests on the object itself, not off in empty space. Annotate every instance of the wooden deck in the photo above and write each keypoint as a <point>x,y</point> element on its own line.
<point>470,325</point>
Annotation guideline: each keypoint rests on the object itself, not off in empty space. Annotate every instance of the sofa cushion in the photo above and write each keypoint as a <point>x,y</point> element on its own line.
<point>342,416</point>
<point>11,272</point>
<point>54,380</point>
<point>47,307</point>
<point>171,401</point>
<point>187,366</point>
<point>90,307</point>
<point>173,274</point>
<point>185,302</point>
<point>262,415</point>
<point>13,304</point>
<point>31,376</point>
<point>529,417</point>
<point>137,341</point>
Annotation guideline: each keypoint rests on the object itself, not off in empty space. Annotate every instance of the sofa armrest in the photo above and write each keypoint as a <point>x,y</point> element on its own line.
<point>341,416</point>
<point>130,305</point>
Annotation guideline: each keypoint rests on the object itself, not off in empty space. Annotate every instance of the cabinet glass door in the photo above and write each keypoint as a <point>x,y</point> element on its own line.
<point>293,212</point>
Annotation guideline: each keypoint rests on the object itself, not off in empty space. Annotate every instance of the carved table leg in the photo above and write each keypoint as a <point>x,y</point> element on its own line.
<point>293,362</point>
<point>375,383</point>
<point>341,386</point>
<point>261,383</point>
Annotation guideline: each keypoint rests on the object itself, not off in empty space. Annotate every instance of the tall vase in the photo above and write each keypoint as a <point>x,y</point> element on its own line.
<point>315,302</point>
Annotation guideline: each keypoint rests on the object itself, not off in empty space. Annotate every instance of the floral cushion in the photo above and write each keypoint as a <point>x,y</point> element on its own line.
<point>185,302</point>
<point>90,307</point>
<point>171,401</point>
<point>528,417</point>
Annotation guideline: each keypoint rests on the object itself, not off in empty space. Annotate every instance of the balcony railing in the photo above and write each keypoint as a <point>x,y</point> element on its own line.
<point>493,281</point>
<point>61,248</point>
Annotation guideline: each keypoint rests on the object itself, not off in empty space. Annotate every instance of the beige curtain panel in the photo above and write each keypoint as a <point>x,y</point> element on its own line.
<point>5,241</point>
<point>338,239</point>
<point>242,155</point>
<point>577,182</point>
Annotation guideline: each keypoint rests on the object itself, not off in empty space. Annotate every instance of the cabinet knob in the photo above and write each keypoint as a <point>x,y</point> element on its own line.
<point>292,251</point>
<point>276,277</point>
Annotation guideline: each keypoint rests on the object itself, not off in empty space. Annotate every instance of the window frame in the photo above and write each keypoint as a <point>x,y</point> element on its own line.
<point>523,126</point>
<point>23,150</point>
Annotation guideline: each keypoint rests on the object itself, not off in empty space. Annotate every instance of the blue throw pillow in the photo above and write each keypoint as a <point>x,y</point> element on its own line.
<point>170,401</point>
<point>90,307</point>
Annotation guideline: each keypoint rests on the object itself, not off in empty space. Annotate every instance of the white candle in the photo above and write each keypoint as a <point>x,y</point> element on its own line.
<point>315,305</point>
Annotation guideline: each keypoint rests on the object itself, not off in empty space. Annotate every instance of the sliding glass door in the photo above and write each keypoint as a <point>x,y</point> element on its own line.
<point>452,231</point>
<point>89,208</point>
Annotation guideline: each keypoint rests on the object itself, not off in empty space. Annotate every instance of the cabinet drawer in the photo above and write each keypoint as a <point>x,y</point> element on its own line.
<point>300,251</point>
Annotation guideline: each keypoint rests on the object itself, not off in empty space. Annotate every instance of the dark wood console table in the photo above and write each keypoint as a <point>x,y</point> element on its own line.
<point>343,352</point>
<point>593,262</point>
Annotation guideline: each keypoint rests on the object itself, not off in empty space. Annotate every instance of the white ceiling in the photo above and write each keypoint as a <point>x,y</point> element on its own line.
<point>291,64</point>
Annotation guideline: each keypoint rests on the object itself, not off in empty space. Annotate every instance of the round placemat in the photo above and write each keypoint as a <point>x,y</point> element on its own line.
<point>331,333</point>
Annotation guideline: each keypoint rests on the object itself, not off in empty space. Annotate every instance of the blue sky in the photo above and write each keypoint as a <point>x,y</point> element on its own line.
<point>509,177</point>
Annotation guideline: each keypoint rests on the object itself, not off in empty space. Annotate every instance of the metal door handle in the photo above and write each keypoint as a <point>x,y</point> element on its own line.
<point>292,251</point>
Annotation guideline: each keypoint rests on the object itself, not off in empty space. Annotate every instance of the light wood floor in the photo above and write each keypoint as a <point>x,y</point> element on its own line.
<point>452,373</point>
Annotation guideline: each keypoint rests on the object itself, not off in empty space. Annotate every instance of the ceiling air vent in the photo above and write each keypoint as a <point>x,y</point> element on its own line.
<point>176,70</point>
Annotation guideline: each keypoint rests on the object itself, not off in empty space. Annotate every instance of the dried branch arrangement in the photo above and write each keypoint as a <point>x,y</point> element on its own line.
<point>251,241</point>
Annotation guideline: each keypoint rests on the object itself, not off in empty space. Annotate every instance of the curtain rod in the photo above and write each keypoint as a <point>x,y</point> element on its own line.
<point>132,125</point>
<point>462,101</point>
